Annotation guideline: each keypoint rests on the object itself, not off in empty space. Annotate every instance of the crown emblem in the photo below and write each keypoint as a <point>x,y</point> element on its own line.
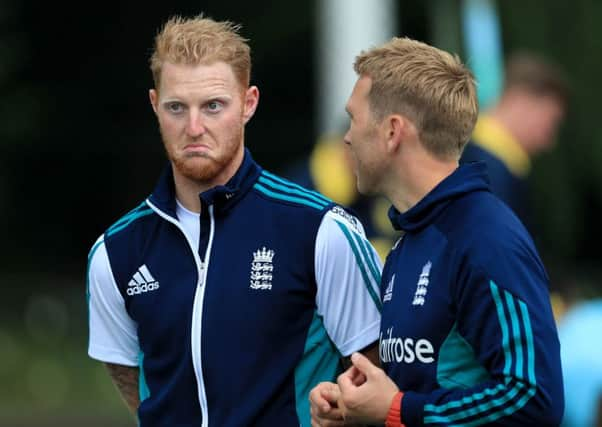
<point>262,269</point>
<point>263,255</point>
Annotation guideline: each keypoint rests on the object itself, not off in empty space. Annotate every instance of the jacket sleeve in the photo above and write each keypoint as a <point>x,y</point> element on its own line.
<point>504,316</point>
<point>112,333</point>
<point>348,273</point>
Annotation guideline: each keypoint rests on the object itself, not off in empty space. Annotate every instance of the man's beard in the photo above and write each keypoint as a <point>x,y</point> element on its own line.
<point>209,167</point>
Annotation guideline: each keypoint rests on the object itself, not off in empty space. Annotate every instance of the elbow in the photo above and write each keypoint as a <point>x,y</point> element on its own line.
<point>548,408</point>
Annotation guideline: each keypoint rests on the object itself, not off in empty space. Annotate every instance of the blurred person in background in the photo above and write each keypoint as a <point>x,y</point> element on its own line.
<point>467,332</point>
<point>230,292</point>
<point>581,343</point>
<point>328,169</point>
<point>523,123</point>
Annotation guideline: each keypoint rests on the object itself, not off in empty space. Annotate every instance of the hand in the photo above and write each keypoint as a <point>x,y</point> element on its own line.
<point>324,408</point>
<point>366,392</point>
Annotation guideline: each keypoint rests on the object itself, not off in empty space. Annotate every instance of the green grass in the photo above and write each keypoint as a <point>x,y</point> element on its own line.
<point>46,375</point>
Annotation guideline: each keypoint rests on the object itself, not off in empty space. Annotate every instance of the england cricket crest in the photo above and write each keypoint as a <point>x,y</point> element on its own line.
<point>262,268</point>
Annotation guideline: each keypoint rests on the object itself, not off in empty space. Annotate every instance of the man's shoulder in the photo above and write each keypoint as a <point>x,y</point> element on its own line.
<point>480,221</point>
<point>344,219</point>
<point>283,192</point>
<point>132,222</point>
<point>473,152</point>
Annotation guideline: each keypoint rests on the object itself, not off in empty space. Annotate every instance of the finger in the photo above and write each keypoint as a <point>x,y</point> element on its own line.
<point>363,364</point>
<point>327,423</point>
<point>320,397</point>
<point>359,379</point>
<point>354,375</point>
<point>322,405</point>
<point>334,415</point>
<point>331,394</point>
<point>345,382</point>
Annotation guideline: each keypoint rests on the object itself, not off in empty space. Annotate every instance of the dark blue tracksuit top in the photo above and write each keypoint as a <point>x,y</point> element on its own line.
<point>236,331</point>
<point>467,329</point>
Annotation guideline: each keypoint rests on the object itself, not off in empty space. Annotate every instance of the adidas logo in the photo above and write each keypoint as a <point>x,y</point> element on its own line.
<point>143,281</point>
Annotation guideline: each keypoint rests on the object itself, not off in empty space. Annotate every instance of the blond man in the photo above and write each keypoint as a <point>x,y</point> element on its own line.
<point>227,294</point>
<point>467,334</point>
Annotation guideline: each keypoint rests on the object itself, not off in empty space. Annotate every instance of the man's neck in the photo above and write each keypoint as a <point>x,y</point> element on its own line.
<point>188,189</point>
<point>415,178</point>
<point>187,192</point>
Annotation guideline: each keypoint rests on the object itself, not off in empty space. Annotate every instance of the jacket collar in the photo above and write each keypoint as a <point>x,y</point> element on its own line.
<point>467,178</point>
<point>222,197</point>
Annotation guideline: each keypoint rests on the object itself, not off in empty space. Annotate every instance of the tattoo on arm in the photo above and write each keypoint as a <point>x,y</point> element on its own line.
<point>125,379</point>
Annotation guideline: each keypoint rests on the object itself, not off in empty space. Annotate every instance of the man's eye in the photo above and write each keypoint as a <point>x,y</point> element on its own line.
<point>174,107</point>
<point>214,106</point>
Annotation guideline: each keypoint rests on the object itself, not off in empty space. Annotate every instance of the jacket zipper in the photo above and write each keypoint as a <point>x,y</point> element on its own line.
<point>197,306</point>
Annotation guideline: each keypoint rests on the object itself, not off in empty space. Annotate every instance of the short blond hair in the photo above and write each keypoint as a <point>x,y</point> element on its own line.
<point>201,40</point>
<point>429,86</point>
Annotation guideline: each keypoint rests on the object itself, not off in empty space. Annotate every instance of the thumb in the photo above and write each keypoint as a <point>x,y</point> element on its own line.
<point>363,364</point>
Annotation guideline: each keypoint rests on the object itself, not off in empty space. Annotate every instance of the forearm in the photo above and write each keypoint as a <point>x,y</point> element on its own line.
<point>125,379</point>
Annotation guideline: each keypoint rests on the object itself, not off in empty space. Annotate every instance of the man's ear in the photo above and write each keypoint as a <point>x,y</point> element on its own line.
<point>398,130</point>
<point>153,96</point>
<point>394,129</point>
<point>250,103</point>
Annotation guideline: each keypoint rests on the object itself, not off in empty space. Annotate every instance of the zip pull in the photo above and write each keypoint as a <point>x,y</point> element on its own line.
<point>201,273</point>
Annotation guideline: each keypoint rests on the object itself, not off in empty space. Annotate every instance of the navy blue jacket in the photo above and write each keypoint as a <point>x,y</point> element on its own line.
<point>229,331</point>
<point>467,329</point>
<point>510,188</point>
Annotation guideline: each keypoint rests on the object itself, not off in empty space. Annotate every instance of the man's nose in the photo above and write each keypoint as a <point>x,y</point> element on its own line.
<point>347,137</point>
<point>195,126</point>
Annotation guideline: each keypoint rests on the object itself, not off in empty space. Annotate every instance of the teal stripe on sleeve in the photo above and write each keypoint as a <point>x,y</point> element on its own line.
<point>128,215</point>
<point>373,254</point>
<point>294,191</point>
<point>293,185</point>
<point>499,305</point>
<point>476,410</point>
<point>143,390</point>
<point>507,361</point>
<point>466,400</point>
<point>530,347</point>
<point>116,228</point>
<point>516,334</point>
<point>360,264</point>
<point>501,413</point>
<point>366,254</point>
<point>521,392</point>
<point>287,198</point>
